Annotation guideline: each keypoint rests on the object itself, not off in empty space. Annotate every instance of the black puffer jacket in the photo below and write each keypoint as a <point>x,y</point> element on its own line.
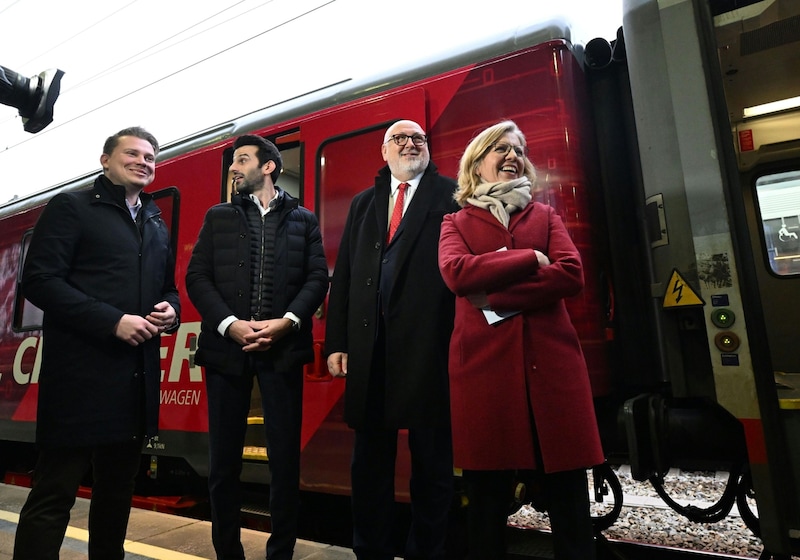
<point>218,281</point>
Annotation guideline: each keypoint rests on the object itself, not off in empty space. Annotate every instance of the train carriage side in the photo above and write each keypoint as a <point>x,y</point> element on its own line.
<point>331,143</point>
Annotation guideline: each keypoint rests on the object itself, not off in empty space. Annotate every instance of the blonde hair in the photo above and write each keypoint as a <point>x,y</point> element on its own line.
<point>468,178</point>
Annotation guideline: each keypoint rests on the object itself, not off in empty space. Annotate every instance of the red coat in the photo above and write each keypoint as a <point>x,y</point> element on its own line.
<point>529,365</point>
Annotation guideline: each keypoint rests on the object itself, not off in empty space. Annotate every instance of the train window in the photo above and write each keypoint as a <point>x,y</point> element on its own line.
<point>779,202</point>
<point>27,317</point>
<point>347,166</point>
<point>168,201</point>
<point>290,181</point>
<point>290,177</point>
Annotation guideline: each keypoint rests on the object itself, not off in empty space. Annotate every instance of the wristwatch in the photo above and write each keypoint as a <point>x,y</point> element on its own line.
<point>295,324</point>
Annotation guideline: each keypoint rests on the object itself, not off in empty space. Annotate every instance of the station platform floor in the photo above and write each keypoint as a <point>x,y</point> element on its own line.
<point>151,535</point>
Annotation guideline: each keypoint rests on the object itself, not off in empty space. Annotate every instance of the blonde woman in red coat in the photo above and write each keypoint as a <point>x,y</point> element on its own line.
<point>520,393</point>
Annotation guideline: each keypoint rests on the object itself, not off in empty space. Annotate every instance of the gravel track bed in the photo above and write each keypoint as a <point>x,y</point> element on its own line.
<point>646,519</point>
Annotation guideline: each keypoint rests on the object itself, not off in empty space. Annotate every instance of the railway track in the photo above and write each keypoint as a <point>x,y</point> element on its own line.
<point>532,544</point>
<point>638,523</point>
<point>645,528</point>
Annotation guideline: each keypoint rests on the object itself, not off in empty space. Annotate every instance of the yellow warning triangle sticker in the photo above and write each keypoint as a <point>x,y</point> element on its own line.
<point>679,293</point>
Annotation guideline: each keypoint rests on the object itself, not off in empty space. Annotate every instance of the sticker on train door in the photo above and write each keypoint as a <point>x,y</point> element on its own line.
<point>679,293</point>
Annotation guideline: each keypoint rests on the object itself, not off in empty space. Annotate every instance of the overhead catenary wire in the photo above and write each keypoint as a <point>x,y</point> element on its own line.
<point>119,65</point>
<point>175,73</point>
<point>153,51</point>
<point>76,35</point>
<point>2,11</point>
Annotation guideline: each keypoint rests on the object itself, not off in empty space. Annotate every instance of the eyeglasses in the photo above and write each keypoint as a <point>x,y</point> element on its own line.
<point>401,139</point>
<point>502,149</point>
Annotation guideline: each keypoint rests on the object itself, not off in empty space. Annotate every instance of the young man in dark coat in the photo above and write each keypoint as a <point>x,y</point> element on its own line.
<point>390,316</point>
<point>257,275</point>
<point>101,268</point>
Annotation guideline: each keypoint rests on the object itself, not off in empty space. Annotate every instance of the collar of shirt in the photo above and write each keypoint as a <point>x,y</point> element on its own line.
<point>269,208</point>
<point>134,210</point>
<point>410,190</point>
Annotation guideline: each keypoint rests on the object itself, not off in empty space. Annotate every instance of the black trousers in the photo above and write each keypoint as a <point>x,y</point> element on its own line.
<point>228,406</point>
<point>431,486</point>
<point>566,497</point>
<point>44,517</point>
<point>373,474</point>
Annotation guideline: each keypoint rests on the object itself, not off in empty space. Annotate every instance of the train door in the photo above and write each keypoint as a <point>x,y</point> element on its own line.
<point>771,192</point>
<point>342,157</point>
<point>774,222</point>
<point>182,413</point>
<point>254,454</point>
<point>758,62</point>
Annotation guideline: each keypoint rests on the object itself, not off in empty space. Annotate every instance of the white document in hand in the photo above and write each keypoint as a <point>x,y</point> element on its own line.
<point>493,317</point>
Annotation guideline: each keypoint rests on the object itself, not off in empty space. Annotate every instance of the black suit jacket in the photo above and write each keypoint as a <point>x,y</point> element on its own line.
<point>417,314</point>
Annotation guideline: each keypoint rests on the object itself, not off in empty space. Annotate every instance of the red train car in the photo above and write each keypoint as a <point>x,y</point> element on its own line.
<point>330,143</point>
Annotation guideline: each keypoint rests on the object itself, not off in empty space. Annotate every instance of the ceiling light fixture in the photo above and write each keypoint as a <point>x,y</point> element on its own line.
<point>773,107</point>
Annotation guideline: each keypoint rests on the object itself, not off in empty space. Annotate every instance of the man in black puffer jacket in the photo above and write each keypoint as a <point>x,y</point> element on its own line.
<point>257,275</point>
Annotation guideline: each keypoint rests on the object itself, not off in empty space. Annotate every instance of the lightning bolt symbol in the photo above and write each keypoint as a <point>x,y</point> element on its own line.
<point>678,287</point>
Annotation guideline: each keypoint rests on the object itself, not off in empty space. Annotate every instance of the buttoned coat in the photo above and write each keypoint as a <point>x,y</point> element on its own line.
<point>418,315</point>
<point>219,278</point>
<point>524,377</point>
<point>88,264</point>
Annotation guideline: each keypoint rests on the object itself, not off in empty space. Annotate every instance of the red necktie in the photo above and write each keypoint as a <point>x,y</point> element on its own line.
<point>397,212</point>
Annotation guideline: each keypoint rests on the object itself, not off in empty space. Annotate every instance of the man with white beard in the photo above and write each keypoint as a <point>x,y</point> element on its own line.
<point>388,329</point>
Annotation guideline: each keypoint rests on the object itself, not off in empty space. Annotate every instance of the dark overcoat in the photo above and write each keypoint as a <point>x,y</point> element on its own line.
<point>218,281</point>
<point>88,264</point>
<point>527,367</point>
<point>418,315</point>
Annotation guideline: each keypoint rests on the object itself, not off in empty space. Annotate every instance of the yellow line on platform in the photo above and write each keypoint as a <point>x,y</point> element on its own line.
<point>142,549</point>
<point>157,552</point>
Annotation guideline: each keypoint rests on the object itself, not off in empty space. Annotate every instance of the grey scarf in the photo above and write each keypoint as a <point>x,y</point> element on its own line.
<point>502,199</point>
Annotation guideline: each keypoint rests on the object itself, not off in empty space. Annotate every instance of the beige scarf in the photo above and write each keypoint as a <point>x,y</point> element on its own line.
<point>502,199</point>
